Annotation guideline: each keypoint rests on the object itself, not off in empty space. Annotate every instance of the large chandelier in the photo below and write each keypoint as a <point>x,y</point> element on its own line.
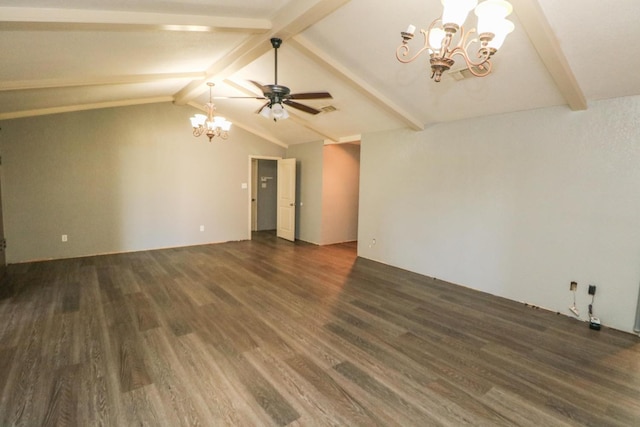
<point>446,36</point>
<point>210,125</point>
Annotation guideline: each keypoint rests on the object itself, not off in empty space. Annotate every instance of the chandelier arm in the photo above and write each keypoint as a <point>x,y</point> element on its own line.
<point>198,131</point>
<point>484,69</point>
<point>445,50</point>
<point>484,54</point>
<point>465,40</point>
<point>478,68</point>
<point>403,49</point>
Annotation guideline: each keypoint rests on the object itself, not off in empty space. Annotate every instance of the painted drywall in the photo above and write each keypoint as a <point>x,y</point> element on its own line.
<point>121,179</point>
<point>517,205</point>
<point>340,193</point>
<point>308,190</point>
<point>267,194</point>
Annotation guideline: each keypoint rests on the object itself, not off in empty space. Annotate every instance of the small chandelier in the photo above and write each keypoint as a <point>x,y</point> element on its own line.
<point>274,111</point>
<point>492,29</point>
<point>210,125</point>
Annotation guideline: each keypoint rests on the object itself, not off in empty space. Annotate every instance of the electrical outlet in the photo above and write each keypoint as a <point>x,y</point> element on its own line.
<point>64,237</point>
<point>202,228</point>
<point>592,289</point>
<point>572,287</point>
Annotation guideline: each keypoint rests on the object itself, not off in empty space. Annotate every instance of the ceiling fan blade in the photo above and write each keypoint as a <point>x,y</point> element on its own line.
<point>260,109</point>
<point>261,87</point>
<point>301,107</point>
<point>239,97</point>
<point>310,95</point>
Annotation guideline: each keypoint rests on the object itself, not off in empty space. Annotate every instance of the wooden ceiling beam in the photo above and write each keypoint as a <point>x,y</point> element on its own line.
<point>544,40</point>
<point>30,18</point>
<point>291,20</point>
<point>95,81</point>
<point>82,107</point>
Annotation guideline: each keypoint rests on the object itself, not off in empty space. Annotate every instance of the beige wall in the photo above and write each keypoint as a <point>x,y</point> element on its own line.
<point>517,205</point>
<point>327,187</point>
<point>121,179</point>
<point>340,187</point>
<point>308,190</point>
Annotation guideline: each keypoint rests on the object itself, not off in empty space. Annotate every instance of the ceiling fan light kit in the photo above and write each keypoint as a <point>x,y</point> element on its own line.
<point>275,112</point>
<point>446,36</point>
<point>209,124</point>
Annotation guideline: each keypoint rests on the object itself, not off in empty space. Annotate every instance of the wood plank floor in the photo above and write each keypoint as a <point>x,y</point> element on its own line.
<point>268,332</point>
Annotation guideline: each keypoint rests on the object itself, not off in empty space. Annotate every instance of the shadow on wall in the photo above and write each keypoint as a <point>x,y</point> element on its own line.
<point>340,193</point>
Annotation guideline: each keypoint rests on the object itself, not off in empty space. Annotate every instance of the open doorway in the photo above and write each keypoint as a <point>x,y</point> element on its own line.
<point>263,194</point>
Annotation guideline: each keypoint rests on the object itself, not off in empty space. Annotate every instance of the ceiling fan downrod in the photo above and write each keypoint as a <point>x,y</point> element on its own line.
<point>276,42</point>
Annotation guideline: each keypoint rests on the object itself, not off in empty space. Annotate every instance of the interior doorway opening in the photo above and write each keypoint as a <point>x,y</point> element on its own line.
<point>263,194</point>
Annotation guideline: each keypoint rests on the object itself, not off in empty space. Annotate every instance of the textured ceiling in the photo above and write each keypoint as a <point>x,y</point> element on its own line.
<point>70,55</point>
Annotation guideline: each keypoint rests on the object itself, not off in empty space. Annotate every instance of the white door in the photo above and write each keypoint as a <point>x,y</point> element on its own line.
<point>287,199</point>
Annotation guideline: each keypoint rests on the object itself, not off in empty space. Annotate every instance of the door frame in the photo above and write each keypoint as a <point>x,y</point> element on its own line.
<point>250,187</point>
<point>253,188</point>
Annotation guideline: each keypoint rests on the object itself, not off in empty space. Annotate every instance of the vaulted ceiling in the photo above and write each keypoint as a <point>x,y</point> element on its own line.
<point>70,55</point>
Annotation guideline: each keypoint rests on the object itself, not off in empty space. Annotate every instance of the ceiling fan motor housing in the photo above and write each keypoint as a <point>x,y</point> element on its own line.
<point>276,93</point>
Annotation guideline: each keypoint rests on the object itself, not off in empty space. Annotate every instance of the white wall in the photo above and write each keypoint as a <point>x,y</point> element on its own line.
<point>121,179</point>
<point>516,205</point>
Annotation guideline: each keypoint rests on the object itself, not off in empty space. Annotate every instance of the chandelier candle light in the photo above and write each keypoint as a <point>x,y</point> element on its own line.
<point>210,125</point>
<point>492,29</point>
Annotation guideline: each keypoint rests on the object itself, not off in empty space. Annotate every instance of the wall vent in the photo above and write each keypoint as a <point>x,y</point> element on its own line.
<point>460,74</point>
<point>328,109</point>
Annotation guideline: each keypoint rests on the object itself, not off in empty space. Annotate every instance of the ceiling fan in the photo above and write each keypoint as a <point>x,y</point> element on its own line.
<point>277,94</point>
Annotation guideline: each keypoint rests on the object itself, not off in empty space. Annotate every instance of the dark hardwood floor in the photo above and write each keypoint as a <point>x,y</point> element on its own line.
<point>267,332</point>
